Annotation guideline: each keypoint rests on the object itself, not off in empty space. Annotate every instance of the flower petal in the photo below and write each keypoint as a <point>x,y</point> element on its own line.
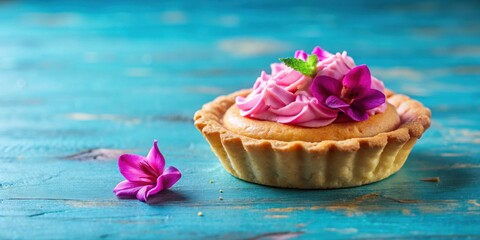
<point>355,113</point>
<point>142,193</point>
<point>170,177</point>
<point>358,79</point>
<point>373,98</point>
<point>335,102</point>
<point>324,86</point>
<point>127,189</point>
<point>165,181</point>
<point>130,167</point>
<point>155,159</point>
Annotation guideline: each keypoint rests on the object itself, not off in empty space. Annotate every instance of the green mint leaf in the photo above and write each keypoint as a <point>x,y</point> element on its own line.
<point>297,64</point>
<point>312,60</point>
<point>306,68</point>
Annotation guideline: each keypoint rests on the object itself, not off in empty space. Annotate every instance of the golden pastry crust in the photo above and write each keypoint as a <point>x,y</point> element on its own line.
<point>232,120</point>
<point>308,165</point>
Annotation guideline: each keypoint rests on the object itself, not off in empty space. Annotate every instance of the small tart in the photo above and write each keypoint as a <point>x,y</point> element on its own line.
<point>281,162</point>
<point>258,129</point>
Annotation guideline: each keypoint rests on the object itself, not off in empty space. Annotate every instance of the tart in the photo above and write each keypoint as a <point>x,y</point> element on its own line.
<point>315,122</point>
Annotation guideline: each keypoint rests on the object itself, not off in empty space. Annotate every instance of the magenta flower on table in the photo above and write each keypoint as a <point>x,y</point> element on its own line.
<point>353,95</point>
<point>145,176</point>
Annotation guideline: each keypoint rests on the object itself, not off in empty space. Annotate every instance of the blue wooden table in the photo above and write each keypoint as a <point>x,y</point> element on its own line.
<point>82,82</point>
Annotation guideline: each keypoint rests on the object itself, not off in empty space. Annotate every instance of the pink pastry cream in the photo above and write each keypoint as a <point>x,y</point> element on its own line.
<point>288,95</point>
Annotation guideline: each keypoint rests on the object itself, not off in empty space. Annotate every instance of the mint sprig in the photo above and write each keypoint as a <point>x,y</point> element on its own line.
<point>308,67</point>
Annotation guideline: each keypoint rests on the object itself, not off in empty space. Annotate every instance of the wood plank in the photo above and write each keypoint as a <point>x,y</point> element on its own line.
<point>83,81</point>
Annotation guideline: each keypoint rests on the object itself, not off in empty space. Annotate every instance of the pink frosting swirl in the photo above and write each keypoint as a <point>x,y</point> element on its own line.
<point>284,96</point>
<point>304,111</point>
<point>279,97</point>
<point>335,66</point>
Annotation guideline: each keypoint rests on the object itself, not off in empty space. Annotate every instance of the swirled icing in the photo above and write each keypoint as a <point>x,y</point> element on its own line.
<point>284,95</point>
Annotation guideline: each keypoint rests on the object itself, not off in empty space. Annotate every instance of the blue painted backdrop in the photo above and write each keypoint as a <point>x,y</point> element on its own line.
<point>83,75</point>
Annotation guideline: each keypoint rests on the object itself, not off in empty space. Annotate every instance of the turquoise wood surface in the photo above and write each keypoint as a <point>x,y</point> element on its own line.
<point>81,82</point>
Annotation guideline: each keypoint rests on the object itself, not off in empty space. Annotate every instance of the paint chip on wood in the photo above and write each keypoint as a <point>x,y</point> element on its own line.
<point>79,116</point>
<point>97,154</point>
<point>277,235</point>
<point>276,216</point>
<point>138,72</point>
<point>432,179</point>
<point>174,118</point>
<point>287,209</point>
<point>407,212</point>
<point>342,230</point>
<point>249,47</point>
<point>173,18</point>
<point>453,154</point>
<point>206,89</point>
<point>474,202</point>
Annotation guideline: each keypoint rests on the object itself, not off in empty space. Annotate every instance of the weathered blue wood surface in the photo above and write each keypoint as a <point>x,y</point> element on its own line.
<point>85,75</point>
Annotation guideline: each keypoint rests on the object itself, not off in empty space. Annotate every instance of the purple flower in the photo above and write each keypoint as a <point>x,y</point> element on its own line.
<point>145,176</point>
<point>353,95</point>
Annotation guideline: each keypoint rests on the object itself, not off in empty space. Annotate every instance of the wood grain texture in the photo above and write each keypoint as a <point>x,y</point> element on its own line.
<point>81,82</point>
